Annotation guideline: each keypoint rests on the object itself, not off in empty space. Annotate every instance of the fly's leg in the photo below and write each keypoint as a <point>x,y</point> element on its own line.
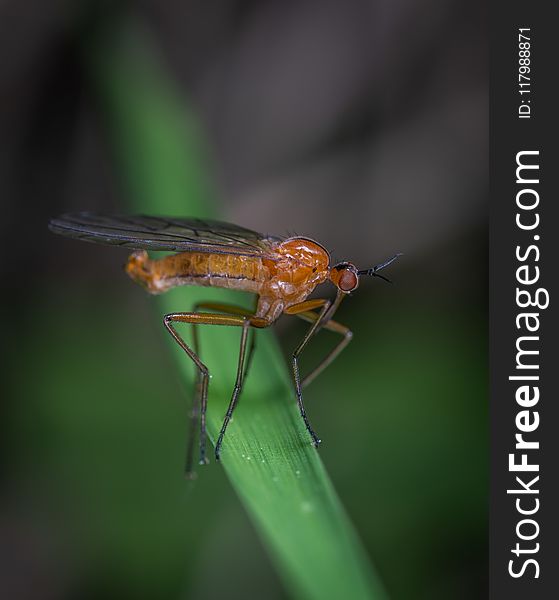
<point>320,320</point>
<point>335,327</point>
<point>195,410</point>
<point>250,354</point>
<point>241,369</point>
<point>200,397</point>
<point>228,309</point>
<point>296,376</point>
<point>196,318</point>
<point>194,414</point>
<point>236,390</point>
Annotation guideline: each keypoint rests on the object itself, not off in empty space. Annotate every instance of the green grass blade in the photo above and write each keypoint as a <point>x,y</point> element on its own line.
<point>267,453</point>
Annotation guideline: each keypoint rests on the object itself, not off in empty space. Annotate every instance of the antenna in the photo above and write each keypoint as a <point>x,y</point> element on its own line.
<point>373,272</point>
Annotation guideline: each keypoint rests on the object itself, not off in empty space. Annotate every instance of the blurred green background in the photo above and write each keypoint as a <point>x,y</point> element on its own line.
<point>362,125</point>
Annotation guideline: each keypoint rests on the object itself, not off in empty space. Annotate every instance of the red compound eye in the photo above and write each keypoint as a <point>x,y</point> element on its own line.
<point>348,281</point>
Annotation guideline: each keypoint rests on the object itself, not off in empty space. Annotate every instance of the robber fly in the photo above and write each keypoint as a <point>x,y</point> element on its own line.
<point>281,272</point>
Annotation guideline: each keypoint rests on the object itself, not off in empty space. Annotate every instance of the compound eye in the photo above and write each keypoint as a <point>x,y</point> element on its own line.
<point>348,280</point>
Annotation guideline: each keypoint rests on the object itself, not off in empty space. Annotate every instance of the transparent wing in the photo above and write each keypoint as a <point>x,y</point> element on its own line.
<point>165,233</point>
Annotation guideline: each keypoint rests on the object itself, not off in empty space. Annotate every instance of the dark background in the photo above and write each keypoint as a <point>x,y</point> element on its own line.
<point>360,124</point>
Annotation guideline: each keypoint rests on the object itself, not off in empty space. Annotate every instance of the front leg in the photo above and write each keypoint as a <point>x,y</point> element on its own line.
<point>320,320</point>
<point>296,375</point>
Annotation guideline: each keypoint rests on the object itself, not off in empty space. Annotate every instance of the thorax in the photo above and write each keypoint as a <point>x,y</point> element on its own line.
<point>300,266</point>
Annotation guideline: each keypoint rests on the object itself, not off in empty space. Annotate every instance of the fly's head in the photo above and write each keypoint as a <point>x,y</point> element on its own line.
<point>345,275</point>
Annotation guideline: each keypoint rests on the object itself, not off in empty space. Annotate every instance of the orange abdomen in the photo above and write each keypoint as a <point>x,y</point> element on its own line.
<point>244,273</point>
